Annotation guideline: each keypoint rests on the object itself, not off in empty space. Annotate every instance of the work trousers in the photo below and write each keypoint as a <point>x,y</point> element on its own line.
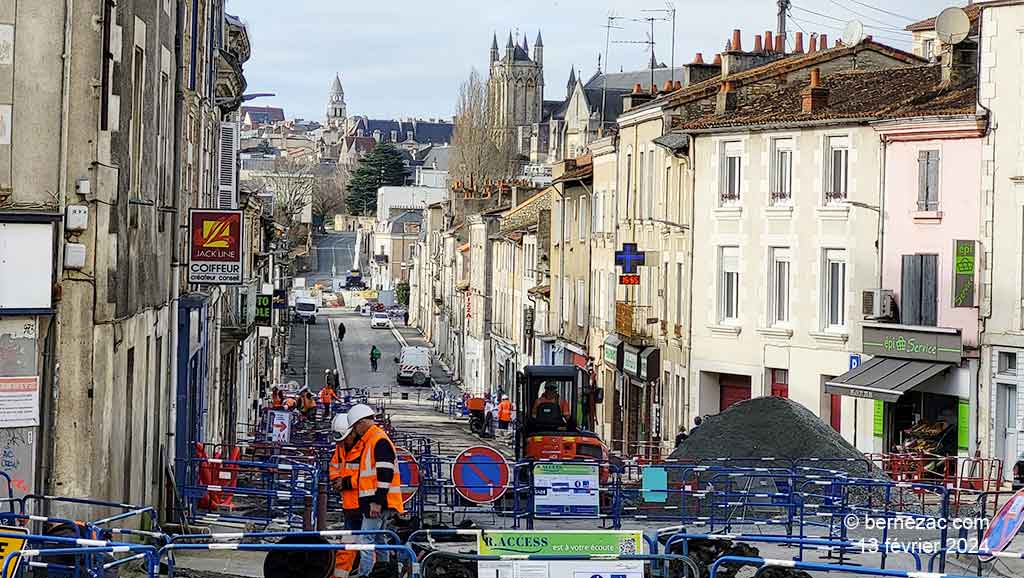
<point>368,558</point>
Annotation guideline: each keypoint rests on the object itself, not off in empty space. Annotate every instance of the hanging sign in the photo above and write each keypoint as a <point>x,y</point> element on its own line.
<point>215,247</point>
<point>264,310</point>
<point>964,266</point>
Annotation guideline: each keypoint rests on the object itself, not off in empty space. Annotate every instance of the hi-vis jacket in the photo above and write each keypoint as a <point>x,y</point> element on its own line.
<point>368,483</point>
<point>345,464</point>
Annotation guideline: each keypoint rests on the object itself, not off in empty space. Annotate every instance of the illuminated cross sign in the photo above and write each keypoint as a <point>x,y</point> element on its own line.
<point>629,258</point>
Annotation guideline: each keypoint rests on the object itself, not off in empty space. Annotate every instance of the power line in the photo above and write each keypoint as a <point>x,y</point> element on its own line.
<point>864,16</point>
<point>841,30</point>
<point>884,28</point>
<point>883,11</point>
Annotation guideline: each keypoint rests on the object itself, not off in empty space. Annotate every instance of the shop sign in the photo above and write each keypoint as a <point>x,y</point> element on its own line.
<point>964,266</point>
<point>913,342</point>
<point>631,360</point>
<point>613,351</point>
<point>650,364</point>
<point>215,247</point>
<point>280,299</point>
<point>879,421</point>
<point>963,428</point>
<point>264,310</point>
<point>629,258</point>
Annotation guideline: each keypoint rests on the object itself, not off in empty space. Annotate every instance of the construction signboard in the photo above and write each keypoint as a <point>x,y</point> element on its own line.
<point>215,247</point>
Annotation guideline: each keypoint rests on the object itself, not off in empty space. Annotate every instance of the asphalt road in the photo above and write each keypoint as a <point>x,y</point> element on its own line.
<point>334,254</point>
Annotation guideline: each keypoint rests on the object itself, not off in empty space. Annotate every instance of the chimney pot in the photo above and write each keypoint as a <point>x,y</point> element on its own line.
<point>637,89</point>
<point>667,87</point>
<point>798,43</point>
<point>678,85</point>
<point>823,42</point>
<point>699,58</point>
<point>814,98</point>
<point>812,45</point>
<point>654,89</point>
<point>736,40</point>
<point>718,60</point>
<point>757,43</point>
<point>769,41</point>
<point>815,77</point>
<point>780,44</point>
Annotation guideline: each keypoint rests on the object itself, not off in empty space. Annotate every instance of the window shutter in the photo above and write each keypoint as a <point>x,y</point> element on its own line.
<point>227,166</point>
<point>910,291</point>
<point>922,180</point>
<point>933,181</point>
<point>929,290</point>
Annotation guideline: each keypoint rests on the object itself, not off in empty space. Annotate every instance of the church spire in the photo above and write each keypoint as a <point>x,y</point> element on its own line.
<point>538,41</point>
<point>538,50</point>
<point>494,48</point>
<point>571,85</point>
<point>510,48</point>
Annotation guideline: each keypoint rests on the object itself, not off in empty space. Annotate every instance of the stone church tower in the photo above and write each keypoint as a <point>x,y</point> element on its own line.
<point>336,115</point>
<point>515,88</point>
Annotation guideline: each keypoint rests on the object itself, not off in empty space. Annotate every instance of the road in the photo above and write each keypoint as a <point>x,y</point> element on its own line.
<point>334,254</point>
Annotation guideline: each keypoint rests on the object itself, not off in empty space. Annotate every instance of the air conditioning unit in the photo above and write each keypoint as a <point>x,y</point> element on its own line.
<point>877,303</point>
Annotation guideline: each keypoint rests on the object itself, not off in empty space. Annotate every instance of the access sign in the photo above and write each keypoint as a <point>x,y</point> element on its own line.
<point>215,247</point>
<point>602,543</point>
<point>480,474</point>
<point>10,543</point>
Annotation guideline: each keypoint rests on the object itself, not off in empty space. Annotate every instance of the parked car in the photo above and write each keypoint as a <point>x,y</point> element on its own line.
<point>380,320</point>
<point>414,365</point>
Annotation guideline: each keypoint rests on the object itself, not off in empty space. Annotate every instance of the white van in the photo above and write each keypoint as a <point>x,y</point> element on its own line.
<point>414,365</point>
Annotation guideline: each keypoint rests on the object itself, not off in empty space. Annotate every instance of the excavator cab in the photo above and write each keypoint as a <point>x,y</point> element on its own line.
<point>556,406</point>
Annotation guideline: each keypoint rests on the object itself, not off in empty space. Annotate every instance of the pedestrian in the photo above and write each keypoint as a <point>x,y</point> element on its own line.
<point>489,416</point>
<point>276,398</point>
<point>344,476</point>
<point>328,395</point>
<point>696,423</point>
<point>307,404</point>
<point>379,482</point>
<point>405,317</point>
<point>504,415</point>
<point>374,358</point>
<point>341,331</point>
<point>681,436</point>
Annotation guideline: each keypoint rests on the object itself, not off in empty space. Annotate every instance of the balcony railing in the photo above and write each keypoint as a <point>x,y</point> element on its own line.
<point>635,321</point>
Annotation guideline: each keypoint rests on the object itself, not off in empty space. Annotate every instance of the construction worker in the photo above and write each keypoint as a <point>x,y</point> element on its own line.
<point>276,398</point>
<point>541,405</point>
<point>380,493</point>
<point>504,414</point>
<point>328,395</point>
<point>344,476</point>
<point>307,404</point>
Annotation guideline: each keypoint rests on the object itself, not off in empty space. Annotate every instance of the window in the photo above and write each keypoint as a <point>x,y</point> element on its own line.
<point>651,185</point>
<point>641,197</point>
<point>629,178</point>
<point>597,212</point>
<point>778,286</point>
<point>566,296</point>
<point>570,214</point>
<point>928,180</point>
<point>838,159</point>
<point>138,99</point>
<point>835,289</point>
<point>729,284</point>
<point>782,171</point>
<point>667,186</point>
<point>680,292</point>
<point>582,228</point>
<point>731,173</point>
<point>1007,362</point>
<point>780,383</point>
<point>581,302</point>
<point>928,49</point>
<point>610,304</point>
<point>919,286</point>
<point>163,127</point>
<point>557,214</point>
<point>663,293</point>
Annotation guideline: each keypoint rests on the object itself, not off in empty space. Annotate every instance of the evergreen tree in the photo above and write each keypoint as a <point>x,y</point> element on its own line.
<point>382,167</point>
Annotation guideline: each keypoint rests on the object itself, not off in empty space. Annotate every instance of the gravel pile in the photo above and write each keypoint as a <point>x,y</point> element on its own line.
<point>772,427</point>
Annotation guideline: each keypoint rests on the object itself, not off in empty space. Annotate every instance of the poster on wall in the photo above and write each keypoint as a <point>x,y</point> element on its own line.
<point>19,401</point>
<point>566,490</point>
<point>215,247</point>
<point>18,356</point>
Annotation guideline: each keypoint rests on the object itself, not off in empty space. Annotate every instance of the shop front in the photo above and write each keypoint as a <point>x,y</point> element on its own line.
<point>641,371</point>
<point>921,386</point>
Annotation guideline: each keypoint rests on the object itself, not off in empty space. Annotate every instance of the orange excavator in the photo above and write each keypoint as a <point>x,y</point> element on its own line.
<point>556,403</point>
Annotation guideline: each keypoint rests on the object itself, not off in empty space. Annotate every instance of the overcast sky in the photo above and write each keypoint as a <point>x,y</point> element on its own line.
<point>408,57</point>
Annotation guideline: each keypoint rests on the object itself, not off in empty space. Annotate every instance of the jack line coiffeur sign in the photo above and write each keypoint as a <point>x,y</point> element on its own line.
<point>215,247</point>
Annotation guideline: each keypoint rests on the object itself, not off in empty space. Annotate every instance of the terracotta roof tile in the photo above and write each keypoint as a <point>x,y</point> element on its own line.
<point>870,95</point>
<point>972,10</point>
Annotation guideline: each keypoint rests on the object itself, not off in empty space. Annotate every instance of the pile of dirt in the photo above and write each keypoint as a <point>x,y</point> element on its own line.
<point>772,427</point>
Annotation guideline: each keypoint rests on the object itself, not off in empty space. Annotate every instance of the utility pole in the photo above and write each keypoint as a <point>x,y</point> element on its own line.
<point>783,11</point>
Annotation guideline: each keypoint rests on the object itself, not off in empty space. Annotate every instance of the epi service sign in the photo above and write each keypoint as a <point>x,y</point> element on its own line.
<point>215,247</point>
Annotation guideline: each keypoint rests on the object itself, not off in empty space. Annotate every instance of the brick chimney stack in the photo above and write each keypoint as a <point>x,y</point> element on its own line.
<point>823,42</point>
<point>757,43</point>
<point>726,98</point>
<point>699,58</point>
<point>815,97</point>
<point>737,37</point>
<point>798,43</point>
<point>769,41</point>
<point>812,46</point>
<point>780,44</point>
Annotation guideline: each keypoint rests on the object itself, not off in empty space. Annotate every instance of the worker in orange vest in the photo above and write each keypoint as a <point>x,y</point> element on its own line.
<point>344,476</point>
<point>276,398</point>
<point>379,482</point>
<point>328,394</point>
<point>504,414</point>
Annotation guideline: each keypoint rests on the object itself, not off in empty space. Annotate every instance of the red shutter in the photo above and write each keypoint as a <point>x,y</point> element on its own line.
<point>733,389</point>
<point>836,412</point>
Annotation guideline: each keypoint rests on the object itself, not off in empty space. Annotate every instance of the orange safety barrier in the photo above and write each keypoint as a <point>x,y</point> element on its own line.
<point>213,473</point>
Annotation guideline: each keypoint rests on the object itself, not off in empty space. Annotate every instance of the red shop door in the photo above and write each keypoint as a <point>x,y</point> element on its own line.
<point>733,389</point>
<point>835,413</point>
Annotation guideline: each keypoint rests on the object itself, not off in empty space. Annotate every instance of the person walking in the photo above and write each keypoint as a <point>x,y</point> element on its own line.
<point>379,482</point>
<point>344,477</point>
<point>489,408</point>
<point>374,358</point>
<point>341,331</point>
<point>405,317</point>
<point>504,415</point>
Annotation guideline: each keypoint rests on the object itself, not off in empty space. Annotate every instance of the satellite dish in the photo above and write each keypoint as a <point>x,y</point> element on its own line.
<point>853,33</point>
<point>952,25</point>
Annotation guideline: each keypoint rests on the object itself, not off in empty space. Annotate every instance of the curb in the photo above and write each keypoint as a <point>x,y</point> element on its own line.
<point>398,337</point>
<point>336,347</point>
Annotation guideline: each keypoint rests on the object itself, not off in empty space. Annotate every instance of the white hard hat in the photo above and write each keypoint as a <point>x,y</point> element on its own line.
<point>358,412</point>
<point>504,396</point>
<point>304,388</point>
<point>340,427</point>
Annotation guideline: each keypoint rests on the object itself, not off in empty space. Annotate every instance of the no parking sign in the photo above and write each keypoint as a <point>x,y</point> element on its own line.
<point>409,473</point>
<point>480,474</point>
<point>1004,525</point>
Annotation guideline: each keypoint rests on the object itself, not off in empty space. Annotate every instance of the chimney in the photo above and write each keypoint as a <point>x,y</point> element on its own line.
<point>958,63</point>
<point>699,58</point>
<point>823,42</point>
<point>812,46</point>
<point>667,87</point>
<point>726,98</point>
<point>718,60</point>
<point>635,98</point>
<point>769,42</point>
<point>815,97</point>
<point>654,89</point>
<point>798,43</point>
<point>678,85</point>
<point>737,40</point>
<point>757,43</point>
<point>780,44</point>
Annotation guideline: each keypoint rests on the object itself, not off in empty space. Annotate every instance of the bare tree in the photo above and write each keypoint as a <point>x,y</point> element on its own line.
<point>329,193</point>
<point>291,181</point>
<point>481,151</point>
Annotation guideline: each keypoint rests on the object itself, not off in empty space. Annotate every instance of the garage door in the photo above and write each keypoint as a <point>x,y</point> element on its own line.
<point>733,388</point>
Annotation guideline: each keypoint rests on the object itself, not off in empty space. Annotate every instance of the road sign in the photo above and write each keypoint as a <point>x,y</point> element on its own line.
<point>8,545</point>
<point>1004,525</point>
<point>280,426</point>
<point>409,472</point>
<point>480,474</point>
<point>854,360</point>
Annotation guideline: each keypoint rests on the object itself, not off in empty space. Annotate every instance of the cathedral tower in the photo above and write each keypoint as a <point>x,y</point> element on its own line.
<point>336,114</point>
<point>516,84</point>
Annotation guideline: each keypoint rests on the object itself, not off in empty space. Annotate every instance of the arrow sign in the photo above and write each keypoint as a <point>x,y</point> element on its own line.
<point>480,474</point>
<point>280,427</point>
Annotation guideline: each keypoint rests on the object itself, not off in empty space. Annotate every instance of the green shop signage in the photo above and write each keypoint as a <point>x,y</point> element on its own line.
<point>553,542</point>
<point>264,310</point>
<point>963,273</point>
<point>913,342</point>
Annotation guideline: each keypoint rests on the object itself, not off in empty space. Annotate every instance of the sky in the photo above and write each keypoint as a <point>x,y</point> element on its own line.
<point>407,58</point>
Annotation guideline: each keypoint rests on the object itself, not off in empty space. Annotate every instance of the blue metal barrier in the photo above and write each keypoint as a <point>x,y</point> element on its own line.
<point>764,563</point>
<point>403,550</point>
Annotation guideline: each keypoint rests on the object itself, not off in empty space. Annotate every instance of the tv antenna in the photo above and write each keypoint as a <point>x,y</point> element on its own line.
<point>607,46</point>
<point>669,12</point>
<point>952,26</point>
<point>853,34</point>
